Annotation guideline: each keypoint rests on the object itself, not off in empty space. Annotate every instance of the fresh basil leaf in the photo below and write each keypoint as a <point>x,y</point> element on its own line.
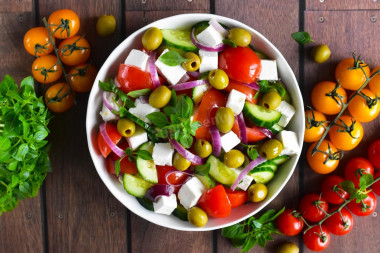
<point>202,169</point>
<point>21,152</point>
<point>158,119</point>
<point>365,180</point>
<point>138,93</point>
<point>173,98</point>
<point>348,186</point>
<point>182,108</point>
<point>234,231</point>
<point>229,42</point>
<point>249,244</point>
<point>172,58</point>
<point>105,86</point>
<point>302,37</point>
<point>27,85</point>
<point>169,110</point>
<point>144,154</point>
<point>162,133</point>
<point>117,167</point>
<point>5,144</point>
<point>252,152</point>
<point>175,119</point>
<point>190,106</point>
<point>194,126</point>
<point>186,140</point>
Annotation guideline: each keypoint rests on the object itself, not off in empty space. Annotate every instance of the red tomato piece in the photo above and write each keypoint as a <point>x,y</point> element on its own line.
<point>290,223</point>
<point>175,178</point>
<point>317,238</point>
<point>132,78</point>
<point>364,207</point>
<point>376,186</point>
<point>215,202</point>
<point>126,166</point>
<point>236,198</point>
<point>313,207</point>
<point>356,167</point>
<point>338,226</point>
<point>331,190</point>
<point>114,136</point>
<point>374,153</point>
<point>240,63</point>
<point>254,134</point>
<point>249,92</point>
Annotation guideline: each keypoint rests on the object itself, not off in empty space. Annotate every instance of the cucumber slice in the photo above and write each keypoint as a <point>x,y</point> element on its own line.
<point>207,181</point>
<point>269,163</point>
<point>260,116</point>
<point>181,213</point>
<point>147,168</point>
<point>220,172</point>
<point>262,175</point>
<point>276,128</point>
<point>135,185</point>
<point>280,159</point>
<point>147,204</point>
<point>198,93</point>
<point>178,39</point>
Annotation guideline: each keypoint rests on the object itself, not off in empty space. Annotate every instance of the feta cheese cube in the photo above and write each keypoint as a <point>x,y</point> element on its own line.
<point>137,58</point>
<point>245,182</point>
<point>172,73</point>
<point>268,70</point>
<point>163,154</point>
<point>190,192</point>
<point>141,110</point>
<point>106,113</point>
<point>236,100</point>
<point>229,141</point>
<point>209,61</point>
<point>138,138</point>
<point>165,204</point>
<point>289,142</point>
<point>210,37</point>
<point>287,111</point>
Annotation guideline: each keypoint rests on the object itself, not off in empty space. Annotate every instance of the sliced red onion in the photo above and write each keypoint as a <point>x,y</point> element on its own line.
<point>158,190</point>
<point>184,79</point>
<point>266,131</point>
<point>218,27</point>
<point>117,82</point>
<point>189,85</point>
<point>144,99</point>
<point>185,153</point>
<point>247,169</point>
<point>118,151</point>
<point>217,48</point>
<point>242,128</point>
<point>153,70</point>
<point>106,103</point>
<point>253,85</point>
<point>216,141</point>
<point>194,74</point>
<point>186,172</point>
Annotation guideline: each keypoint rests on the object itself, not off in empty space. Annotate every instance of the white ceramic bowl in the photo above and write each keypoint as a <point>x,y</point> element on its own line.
<point>93,120</point>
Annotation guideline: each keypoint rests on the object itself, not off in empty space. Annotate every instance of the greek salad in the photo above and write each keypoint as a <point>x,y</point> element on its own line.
<point>194,122</point>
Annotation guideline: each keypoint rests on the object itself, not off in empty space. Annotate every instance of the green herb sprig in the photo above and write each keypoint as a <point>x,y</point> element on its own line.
<point>172,58</point>
<point>131,156</point>
<point>110,86</point>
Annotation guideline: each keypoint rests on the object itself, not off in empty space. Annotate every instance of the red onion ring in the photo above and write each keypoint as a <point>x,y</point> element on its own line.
<point>253,85</point>
<point>218,27</point>
<point>216,141</point>
<point>185,153</point>
<point>242,128</point>
<point>180,172</point>
<point>153,70</point>
<point>217,48</point>
<point>189,85</point>
<point>144,99</point>
<point>107,104</point>
<point>247,169</point>
<point>194,74</point>
<point>158,190</point>
<point>118,151</point>
<point>266,131</point>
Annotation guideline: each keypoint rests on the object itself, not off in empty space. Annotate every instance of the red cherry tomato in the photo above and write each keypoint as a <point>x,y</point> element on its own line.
<point>376,186</point>
<point>240,63</point>
<point>340,224</point>
<point>289,222</point>
<point>236,198</point>
<point>317,238</point>
<point>331,191</point>
<point>132,78</point>
<point>309,209</point>
<point>374,153</point>
<point>176,178</point>
<point>365,207</point>
<point>356,167</point>
<point>249,92</point>
<point>215,202</point>
<point>126,166</point>
<point>114,136</point>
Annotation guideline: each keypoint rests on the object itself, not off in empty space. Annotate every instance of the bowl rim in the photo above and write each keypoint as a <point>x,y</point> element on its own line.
<point>110,61</point>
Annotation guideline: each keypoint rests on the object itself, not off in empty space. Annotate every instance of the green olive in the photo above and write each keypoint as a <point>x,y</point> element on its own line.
<point>202,148</point>
<point>271,100</point>
<point>320,53</point>
<point>240,36</point>
<point>152,39</point>
<point>160,97</point>
<point>233,158</point>
<point>194,62</point>
<point>180,162</point>
<point>218,79</point>
<point>271,149</point>
<point>197,217</point>
<point>257,192</point>
<point>287,247</point>
<point>224,119</point>
<point>106,25</point>
<point>126,127</point>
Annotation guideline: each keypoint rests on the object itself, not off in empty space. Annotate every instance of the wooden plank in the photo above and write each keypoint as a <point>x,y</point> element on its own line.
<point>154,5</point>
<point>16,6</point>
<point>83,216</point>
<point>343,32</point>
<point>280,21</point>
<point>342,5</point>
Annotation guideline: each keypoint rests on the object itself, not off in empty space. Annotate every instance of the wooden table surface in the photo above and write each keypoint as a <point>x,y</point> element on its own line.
<point>74,211</point>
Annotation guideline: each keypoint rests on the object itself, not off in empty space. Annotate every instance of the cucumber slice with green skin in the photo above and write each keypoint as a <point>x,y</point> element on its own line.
<point>262,175</point>
<point>207,181</point>
<point>220,172</point>
<point>147,204</point>
<point>178,39</point>
<point>280,159</point>
<point>269,163</point>
<point>147,168</point>
<point>260,116</point>
<point>181,213</point>
<point>135,185</point>
<point>276,128</point>
<point>198,93</point>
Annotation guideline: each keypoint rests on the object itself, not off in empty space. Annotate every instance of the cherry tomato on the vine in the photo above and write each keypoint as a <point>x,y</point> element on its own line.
<point>320,162</point>
<point>314,128</point>
<point>350,75</point>
<point>313,207</point>
<point>317,238</point>
<point>374,153</point>
<point>74,51</point>
<point>58,98</point>
<point>289,222</point>
<point>45,69</point>
<point>347,134</point>
<point>63,23</point>
<point>36,41</point>
<point>360,110</point>
<point>364,207</point>
<point>327,98</point>
<point>331,191</point>
<point>340,224</point>
<point>82,77</point>
<point>374,84</point>
<point>356,167</point>
<point>376,186</point>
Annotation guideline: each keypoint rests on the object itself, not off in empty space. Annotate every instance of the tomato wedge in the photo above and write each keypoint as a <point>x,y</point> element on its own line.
<point>176,178</point>
<point>236,198</point>
<point>254,134</point>
<point>249,92</point>
<point>215,202</point>
<point>126,166</point>
<point>132,78</point>
<point>114,136</point>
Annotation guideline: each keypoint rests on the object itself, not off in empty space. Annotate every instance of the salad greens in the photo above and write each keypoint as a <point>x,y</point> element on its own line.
<point>302,37</point>
<point>24,160</point>
<point>172,58</point>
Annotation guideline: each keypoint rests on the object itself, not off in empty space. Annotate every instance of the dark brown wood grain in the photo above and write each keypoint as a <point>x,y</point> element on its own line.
<point>16,6</point>
<point>342,4</point>
<point>166,5</point>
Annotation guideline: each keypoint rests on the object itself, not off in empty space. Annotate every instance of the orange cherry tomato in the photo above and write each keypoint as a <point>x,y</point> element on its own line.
<point>326,99</point>
<point>360,110</point>
<point>374,84</point>
<point>74,51</point>
<point>350,75</point>
<point>45,69</point>
<point>319,162</point>
<point>314,129</point>
<point>64,23</point>
<point>58,98</point>
<point>82,77</point>
<point>348,134</point>
<point>36,41</point>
